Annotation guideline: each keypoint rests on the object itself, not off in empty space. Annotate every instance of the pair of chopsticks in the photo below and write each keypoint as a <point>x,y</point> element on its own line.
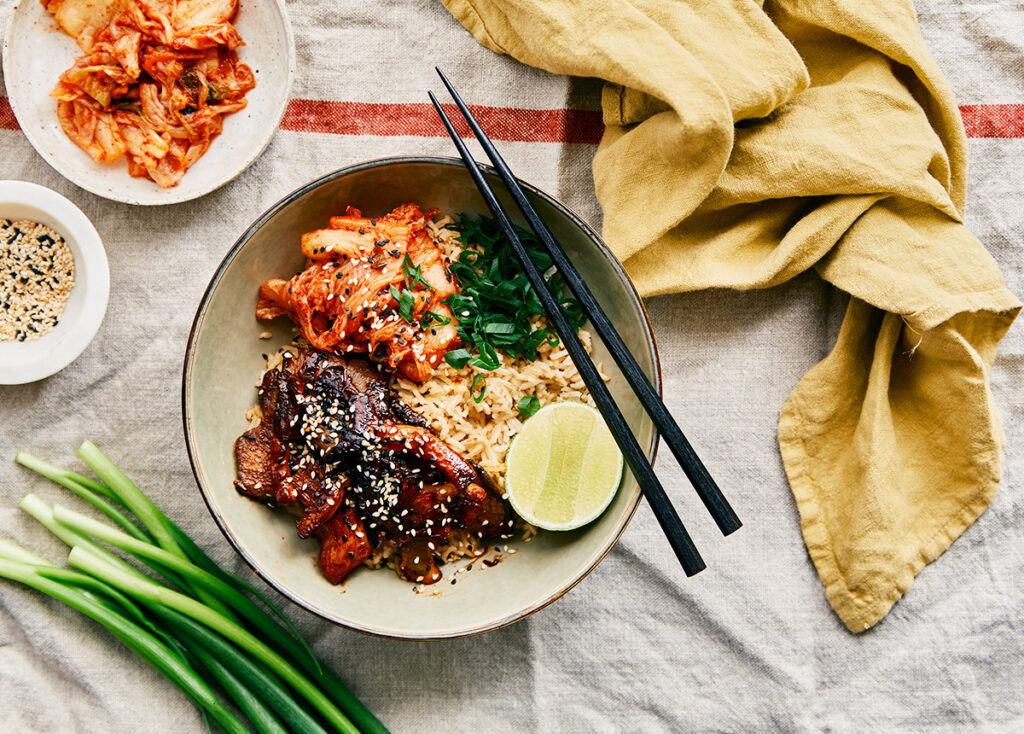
<point>710,494</point>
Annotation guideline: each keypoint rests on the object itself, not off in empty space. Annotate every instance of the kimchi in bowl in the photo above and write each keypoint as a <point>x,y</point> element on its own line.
<point>226,356</point>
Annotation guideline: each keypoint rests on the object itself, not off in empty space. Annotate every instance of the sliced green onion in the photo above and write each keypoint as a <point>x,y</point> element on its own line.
<point>499,328</point>
<point>528,405</point>
<point>497,304</point>
<point>405,306</point>
<point>487,359</point>
<point>405,300</point>
<point>458,358</point>
<point>413,275</point>
<point>433,316</point>
<point>482,381</point>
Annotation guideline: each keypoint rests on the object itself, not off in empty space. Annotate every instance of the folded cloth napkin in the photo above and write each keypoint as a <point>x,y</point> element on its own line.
<point>745,144</point>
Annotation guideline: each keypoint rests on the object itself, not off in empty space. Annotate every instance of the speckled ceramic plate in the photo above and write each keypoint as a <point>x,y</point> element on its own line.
<point>36,52</point>
<point>223,361</point>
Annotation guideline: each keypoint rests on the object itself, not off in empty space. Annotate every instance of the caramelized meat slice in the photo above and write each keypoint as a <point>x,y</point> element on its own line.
<point>416,563</point>
<point>345,545</point>
<point>256,453</point>
<point>366,380</point>
<point>321,498</point>
<point>407,415</point>
<point>481,512</point>
<point>279,402</point>
<point>425,503</point>
<point>432,450</point>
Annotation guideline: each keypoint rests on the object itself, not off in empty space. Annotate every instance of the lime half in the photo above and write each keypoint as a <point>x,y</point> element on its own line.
<point>563,467</point>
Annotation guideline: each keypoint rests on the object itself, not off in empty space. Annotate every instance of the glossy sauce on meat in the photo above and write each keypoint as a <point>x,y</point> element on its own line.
<point>363,469</point>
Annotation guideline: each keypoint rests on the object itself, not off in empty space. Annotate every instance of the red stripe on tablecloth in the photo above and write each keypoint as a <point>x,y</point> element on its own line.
<point>522,125</point>
<point>7,121</point>
<point>420,120</point>
<point>993,120</point>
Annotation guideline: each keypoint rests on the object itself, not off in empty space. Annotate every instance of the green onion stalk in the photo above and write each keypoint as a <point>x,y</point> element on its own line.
<point>198,625</point>
<point>136,638</point>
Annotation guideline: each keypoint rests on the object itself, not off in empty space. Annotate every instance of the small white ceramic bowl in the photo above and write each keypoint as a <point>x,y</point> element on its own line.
<point>28,361</point>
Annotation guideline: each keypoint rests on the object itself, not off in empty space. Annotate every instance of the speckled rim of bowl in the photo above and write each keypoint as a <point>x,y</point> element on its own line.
<point>197,472</point>
<point>171,199</point>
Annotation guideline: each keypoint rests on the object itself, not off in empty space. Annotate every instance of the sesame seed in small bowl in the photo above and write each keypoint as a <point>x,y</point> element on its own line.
<point>54,282</point>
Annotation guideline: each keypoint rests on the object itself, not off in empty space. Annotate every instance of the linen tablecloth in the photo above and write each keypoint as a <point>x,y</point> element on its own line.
<point>750,644</point>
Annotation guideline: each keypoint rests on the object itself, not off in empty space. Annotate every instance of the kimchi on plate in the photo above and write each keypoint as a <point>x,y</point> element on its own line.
<point>155,79</point>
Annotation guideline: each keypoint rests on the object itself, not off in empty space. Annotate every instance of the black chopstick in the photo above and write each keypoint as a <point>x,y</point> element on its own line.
<point>670,523</point>
<point>715,502</point>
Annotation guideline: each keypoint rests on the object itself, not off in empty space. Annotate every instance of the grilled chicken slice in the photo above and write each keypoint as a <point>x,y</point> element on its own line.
<point>416,562</point>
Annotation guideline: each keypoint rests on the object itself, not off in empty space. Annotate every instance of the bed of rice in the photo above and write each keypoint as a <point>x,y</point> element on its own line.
<point>480,431</point>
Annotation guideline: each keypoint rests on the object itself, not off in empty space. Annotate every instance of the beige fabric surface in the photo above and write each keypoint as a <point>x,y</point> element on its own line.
<point>749,645</point>
<point>745,145</point>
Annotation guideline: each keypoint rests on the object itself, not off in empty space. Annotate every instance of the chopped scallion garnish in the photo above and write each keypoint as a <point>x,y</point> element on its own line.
<point>458,358</point>
<point>497,307</point>
<point>406,302</point>
<point>528,405</point>
<point>480,380</point>
<point>413,275</point>
<point>436,318</point>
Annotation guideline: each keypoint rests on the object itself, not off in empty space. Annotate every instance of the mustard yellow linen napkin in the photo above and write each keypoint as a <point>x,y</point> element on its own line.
<point>745,144</point>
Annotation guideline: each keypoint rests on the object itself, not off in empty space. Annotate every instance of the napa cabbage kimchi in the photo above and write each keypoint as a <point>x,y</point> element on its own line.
<point>154,82</point>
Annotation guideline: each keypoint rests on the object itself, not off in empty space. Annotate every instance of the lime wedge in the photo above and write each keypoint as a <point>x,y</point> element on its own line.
<point>563,467</point>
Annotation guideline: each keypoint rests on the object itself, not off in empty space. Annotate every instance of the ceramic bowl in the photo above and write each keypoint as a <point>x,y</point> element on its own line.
<point>37,51</point>
<point>223,361</point>
<point>28,361</point>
